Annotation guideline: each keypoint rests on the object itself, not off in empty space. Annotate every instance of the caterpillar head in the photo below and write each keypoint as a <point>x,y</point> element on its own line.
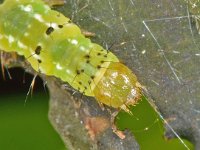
<point>118,87</point>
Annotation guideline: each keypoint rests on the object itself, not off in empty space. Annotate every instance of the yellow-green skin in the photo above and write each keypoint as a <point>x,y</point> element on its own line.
<point>55,46</point>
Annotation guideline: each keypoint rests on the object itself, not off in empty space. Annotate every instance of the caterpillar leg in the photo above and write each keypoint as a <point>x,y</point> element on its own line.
<point>52,3</point>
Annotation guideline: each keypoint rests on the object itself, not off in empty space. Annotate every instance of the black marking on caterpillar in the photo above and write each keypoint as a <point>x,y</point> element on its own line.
<point>38,50</point>
<point>49,30</point>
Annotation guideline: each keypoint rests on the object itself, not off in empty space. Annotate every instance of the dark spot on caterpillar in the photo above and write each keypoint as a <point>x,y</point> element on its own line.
<point>98,67</point>
<point>60,26</point>
<point>39,61</point>
<point>89,82</point>
<point>87,56</point>
<point>88,61</point>
<point>98,54</point>
<point>85,87</point>
<point>92,77</point>
<point>49,30</point>
<point>78,72</point>
<point>82,70</point>
<point>102,61</point>
<point>106,55</point>
<point>38,50</point>
<point>80,82</point>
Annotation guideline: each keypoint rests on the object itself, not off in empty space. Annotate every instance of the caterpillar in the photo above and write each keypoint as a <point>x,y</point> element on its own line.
<point>55,46</point>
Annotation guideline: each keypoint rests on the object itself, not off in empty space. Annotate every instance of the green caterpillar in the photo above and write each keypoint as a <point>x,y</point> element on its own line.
<point>53,45</point>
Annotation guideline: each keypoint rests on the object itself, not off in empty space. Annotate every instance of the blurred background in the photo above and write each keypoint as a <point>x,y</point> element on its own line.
<point>25,125</point>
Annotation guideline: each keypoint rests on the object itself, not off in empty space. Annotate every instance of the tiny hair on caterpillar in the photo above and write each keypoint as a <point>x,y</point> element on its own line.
<point>55,46</point>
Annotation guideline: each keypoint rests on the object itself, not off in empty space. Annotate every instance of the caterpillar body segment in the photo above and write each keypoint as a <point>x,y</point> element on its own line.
<point>55,46</point>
